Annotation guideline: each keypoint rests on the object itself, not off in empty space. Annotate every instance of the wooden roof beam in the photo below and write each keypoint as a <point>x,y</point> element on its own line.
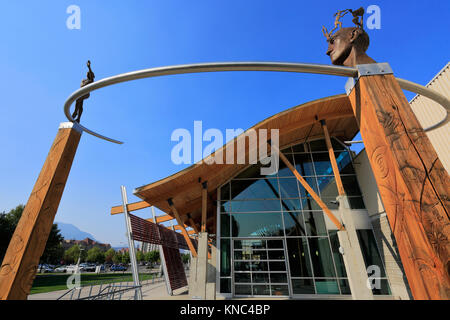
<point>192,223</point>
<point>334,165</point>
<point>309,189</point>
<point>183,230</point>
<point>204,205</point>
<point>143,204</point>
<point>175,226</point>
<point>160,219</point>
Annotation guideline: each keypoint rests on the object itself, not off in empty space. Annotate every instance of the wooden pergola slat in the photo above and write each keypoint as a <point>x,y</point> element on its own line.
<point>131,207</point>
<point>160,219</point>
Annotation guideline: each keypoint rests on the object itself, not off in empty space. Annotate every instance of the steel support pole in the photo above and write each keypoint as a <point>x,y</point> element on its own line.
<point>131,248</point>
<point>162,258</point>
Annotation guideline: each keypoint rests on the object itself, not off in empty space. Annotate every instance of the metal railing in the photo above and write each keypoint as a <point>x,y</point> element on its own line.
<point>109,292</point>
<point>105,290</point>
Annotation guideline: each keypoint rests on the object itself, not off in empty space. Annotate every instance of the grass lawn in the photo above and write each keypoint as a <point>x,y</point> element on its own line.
<point>57,281</point>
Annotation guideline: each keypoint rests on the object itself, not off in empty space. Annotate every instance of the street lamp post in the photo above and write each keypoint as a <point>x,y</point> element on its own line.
<point>77,269</point>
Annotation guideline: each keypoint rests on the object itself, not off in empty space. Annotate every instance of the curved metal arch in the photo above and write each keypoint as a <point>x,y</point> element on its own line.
<point>241,66</point>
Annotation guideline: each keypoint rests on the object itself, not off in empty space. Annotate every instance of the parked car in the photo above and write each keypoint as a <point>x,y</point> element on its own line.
<point>44,268</point>
<point>61,269</point>
<point>72,268</point>
<point>118,267</point>
<point>88,267</point>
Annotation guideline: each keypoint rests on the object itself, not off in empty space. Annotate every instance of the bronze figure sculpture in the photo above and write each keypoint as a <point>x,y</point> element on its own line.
<point>356,14</point>
<point>79,103</point>
<point>347,47</point>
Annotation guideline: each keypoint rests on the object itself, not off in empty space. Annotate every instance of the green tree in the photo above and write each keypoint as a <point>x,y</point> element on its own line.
<point>126,257</point>
<point>83,254</point>
<point>185,258</point>
<point>71,255</point>
<point>6,232</point>
<point>147,256</point>
<point>117,258</point>
<point>140,256</point>
<point>15,214</point>
<point>109,255</point>
<point>8,222</point>
<point>95,255</point>
<point>153,256</point>
<point>54,251</point>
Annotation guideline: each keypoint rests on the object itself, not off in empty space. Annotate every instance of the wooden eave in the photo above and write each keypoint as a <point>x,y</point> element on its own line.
<point>295,125</point>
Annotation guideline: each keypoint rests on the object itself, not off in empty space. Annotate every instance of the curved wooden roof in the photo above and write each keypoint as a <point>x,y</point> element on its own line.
<point>295,125</point>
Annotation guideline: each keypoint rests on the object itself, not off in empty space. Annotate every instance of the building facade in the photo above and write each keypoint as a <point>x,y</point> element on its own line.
<point>86,244</point>
<point>268,236</point>
<point>429,113</point>
<point>274,240</point>
<point>147,247</point>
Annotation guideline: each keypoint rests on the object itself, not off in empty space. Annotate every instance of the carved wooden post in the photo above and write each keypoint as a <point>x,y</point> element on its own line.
<point>21,260</point>
<point>413,184</point>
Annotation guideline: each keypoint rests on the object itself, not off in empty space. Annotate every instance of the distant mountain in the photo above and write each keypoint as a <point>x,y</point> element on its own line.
<point>70,232</point>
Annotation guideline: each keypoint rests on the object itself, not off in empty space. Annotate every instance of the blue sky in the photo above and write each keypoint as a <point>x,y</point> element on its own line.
<point>43,62</point>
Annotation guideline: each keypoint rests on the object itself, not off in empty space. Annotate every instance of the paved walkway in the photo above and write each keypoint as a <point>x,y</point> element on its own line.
<point>150,291</point>
<point>158,291</point>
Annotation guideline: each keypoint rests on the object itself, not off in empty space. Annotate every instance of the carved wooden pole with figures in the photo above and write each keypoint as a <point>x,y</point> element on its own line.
<point>27,245</point>
<point>413,184</point>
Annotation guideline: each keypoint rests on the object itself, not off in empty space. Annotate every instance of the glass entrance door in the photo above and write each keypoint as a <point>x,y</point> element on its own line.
<point>260,267</point>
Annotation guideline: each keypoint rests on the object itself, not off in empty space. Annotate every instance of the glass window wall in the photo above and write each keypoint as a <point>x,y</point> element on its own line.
<point>273,235</point>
